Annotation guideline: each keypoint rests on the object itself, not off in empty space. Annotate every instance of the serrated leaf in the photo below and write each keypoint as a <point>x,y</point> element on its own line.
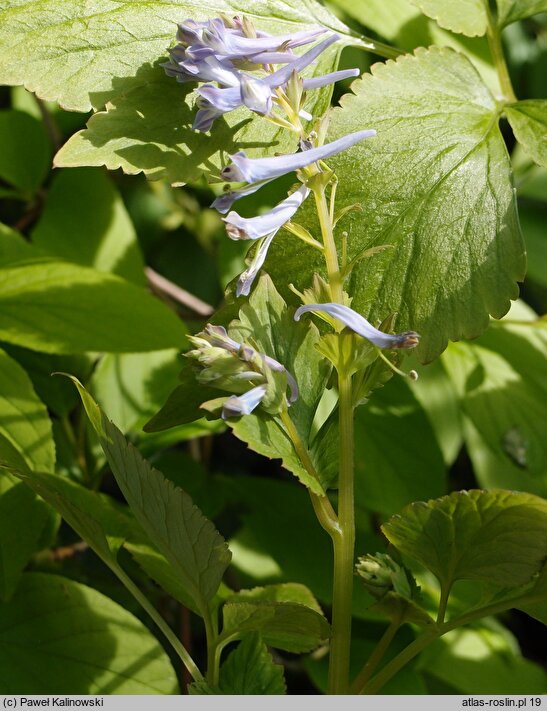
<point>250,669</point>
<point>24,151</point>
<point>95,48</point>
<point>76,641</point>
<point>498,537</point>
<point>23,517</point>
<point>58,307</point>
<point>290,626</point>
<point>24,420</point>
<point>528,120</point>
<point>84,221</point>
<point>467,17</point>
<point>513,10</point>
<point>436,184</point>
<point>190,542</point>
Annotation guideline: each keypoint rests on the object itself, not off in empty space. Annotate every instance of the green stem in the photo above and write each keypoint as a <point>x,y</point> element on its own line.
<point>331,256</point>
<point>213,667</point>
<point>344,545</point>
<point>160,622</point>
<point>493,34</point>
<point>376,657</point>
<point>321,504</point>
<point>419,644</point>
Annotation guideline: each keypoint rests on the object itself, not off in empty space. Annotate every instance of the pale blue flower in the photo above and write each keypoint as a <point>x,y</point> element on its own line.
<point>324,79</point>
<point>252,170</point>
<point>237,405</point>
<point>246,279</point>
<point>225,201</point>
<point>358,324</point>
<point>239,227</point>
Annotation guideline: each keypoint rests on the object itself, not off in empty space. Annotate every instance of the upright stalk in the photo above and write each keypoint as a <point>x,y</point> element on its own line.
<point>493,34</point>
<point>344,542</point>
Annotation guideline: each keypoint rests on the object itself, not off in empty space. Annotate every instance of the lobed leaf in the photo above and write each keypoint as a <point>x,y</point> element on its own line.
<point>250,669</point>
<point>435,183</point>
<point>498,537</point>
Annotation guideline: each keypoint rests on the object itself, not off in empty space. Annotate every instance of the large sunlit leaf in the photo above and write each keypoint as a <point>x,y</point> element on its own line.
<point>498,537</point>
<point>190,542</point>
<point>75,640</point>
<point>528,120</point>
<point>468,17</point>
<point>94,48</point>
<point>58,307</point>
<point>435,183</point>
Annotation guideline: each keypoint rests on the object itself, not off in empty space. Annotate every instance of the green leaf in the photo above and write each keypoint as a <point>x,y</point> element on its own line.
<point>250,669</point>
<point>95,49</point>
<point>84,221</point>
<point>190,542</point>
<point>131,386</point>
<point>76,641</point>
<point>24,420</point>
<point>528,120</point>
<point>397,458</point>
<point>497,536</point>
<point>482,661</point>
<point>292,626</point>
<point>23,517</point>
<point>513,10</point>
<point>183,403</point>
<point>24,151</point>
<point>501,389</point>
<point>436,184</point>
<point>265,319</point>
<point>467,17</point>
<point>59,307</point>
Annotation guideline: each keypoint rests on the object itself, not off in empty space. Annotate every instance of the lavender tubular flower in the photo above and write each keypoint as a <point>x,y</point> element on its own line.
<point>225,201</point>
<point>236,46</point>
<point>356,322</point>
<point>324,79</point>
<point>239,227</point>
<point>252,170</point>
<point>237,405</point>
<point>246,279</point>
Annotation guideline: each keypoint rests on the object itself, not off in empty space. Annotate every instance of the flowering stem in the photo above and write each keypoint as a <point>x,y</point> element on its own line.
<point>344,543</point>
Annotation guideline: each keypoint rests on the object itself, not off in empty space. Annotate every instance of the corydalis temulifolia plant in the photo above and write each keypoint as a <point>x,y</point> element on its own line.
<point>242,62</point>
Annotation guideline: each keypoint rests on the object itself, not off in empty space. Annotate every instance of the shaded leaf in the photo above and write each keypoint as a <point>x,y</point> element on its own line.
<point>528,120</point>
<point>24,151</point>
<point>23,518</point>
<point>84,221</point>
<point>513,10</point>
<point>190,542</point>
<point>497,536</point>
<point>24,420</point>
<point>76,641</point>
<point>250,669</point>
<point>436,184</point>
